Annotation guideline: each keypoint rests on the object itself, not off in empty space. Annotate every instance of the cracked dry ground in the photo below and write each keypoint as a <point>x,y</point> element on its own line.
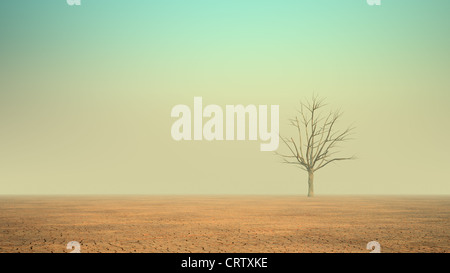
<point>224,223</point>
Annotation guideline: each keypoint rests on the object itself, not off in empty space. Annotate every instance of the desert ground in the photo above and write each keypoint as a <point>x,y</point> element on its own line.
<point>224,223</point>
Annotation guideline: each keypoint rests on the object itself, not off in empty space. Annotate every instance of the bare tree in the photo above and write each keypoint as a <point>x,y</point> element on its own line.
<point>317,140</point>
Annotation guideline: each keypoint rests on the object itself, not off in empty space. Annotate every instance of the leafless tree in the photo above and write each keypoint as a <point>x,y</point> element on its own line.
<point>318,138</point>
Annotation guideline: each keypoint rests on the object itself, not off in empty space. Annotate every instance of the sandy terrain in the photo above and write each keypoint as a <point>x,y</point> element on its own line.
<point>224,223</point>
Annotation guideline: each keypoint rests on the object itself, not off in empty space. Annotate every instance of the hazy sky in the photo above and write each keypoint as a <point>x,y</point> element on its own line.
<point>86,93</point>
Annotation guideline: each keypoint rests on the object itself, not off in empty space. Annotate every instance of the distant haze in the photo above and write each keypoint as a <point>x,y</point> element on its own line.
<point>86,93</point>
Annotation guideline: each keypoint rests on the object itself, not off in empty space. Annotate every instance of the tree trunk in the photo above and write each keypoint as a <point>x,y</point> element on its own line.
<point>310,184</point>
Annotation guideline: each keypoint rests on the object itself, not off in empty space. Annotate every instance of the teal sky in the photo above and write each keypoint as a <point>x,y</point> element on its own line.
<point>86,93</point>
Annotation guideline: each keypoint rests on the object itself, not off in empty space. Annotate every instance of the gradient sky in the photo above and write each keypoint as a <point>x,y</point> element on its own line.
<point>86,93</point>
